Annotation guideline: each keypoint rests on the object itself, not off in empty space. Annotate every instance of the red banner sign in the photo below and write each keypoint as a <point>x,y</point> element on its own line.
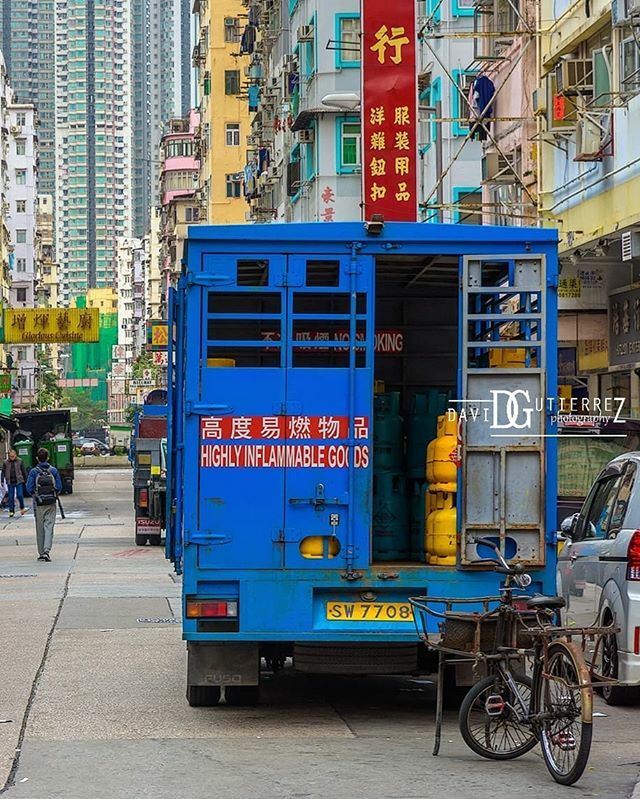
<point>236,428</point>
<point>389,109</point>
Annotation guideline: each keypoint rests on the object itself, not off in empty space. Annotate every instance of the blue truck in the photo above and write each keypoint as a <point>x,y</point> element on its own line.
<point>147,454</point>
<point>279,336</point>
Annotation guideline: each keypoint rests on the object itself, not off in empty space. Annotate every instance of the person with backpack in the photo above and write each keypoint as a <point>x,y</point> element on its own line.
<point>15,476</point>
<point>44,485</point>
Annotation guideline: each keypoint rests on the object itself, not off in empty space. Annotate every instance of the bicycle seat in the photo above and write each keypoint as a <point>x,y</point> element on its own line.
<point>550,602</point>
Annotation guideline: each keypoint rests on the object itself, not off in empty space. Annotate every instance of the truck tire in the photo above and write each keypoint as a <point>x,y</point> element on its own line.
<point>141,539</point>
<point>356,658</point>
<point>203,695</point>
<point>154,540</point>
<point>242,695</point>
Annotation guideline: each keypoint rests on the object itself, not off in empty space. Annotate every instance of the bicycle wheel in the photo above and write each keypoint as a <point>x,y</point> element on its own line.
<point>493,720</point>
<point>564,707</point>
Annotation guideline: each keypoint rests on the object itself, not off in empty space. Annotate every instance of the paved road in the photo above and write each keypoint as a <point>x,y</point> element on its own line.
<point>92,695</point>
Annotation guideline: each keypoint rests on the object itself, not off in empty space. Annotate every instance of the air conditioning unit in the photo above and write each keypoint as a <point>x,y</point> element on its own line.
<point>588,140</point>
<point>496,169</point>
<point>574,75</point>
<point>305,33</point>
<point>273,174</point>
<point>274,83</point>
<point>306,136</point>
<point>630,242</point>
<point>291,63</point>
<point>540,101</point>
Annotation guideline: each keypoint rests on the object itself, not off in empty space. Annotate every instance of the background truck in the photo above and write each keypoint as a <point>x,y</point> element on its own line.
<point>309,368</point>
<point>148,455</point>
<point>119,437</point>
<point>51,430</point>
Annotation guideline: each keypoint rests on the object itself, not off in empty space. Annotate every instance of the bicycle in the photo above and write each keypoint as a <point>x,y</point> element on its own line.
<point>506,714</point>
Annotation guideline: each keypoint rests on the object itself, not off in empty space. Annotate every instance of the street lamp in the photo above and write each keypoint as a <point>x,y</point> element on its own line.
<point>348,101</point>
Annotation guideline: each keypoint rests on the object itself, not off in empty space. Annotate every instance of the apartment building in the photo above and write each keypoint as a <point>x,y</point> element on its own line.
<point>5,238</point>
<point>226,39</point>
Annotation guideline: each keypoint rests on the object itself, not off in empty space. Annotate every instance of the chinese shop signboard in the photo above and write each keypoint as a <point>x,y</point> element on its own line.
<point>51,325</point>
<point>389,110</point>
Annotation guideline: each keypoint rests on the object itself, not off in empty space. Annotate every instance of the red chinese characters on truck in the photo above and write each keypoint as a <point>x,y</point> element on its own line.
<point>283,441</point>
<point>389,110</point>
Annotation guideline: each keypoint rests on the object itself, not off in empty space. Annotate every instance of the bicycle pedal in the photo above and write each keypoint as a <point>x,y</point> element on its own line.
<point>564,741</point>
<point>494,705</point>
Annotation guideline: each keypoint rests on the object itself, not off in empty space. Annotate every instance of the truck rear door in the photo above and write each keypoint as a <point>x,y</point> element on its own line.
<point>280,405</point>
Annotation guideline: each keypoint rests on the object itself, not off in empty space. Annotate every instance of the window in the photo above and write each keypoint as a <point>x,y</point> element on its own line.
<point>309,50</point>
<point>21,236</point>
<point>21,146</point>
<point>629,62</point>
<point>460,105</point>
<point>349,150</point>
<point>21,206</point>
<point>232,134</point>
<point>347,40</point>
<point>470,202</point>
<point>622,501</point>
<point>232,81</point>
<point>231,29</point>
<point>21,264</point>
<point>192,214</point>
<point>21,295</point>
<point>21,177</point>
<point>21,119</point>
<point>596,522</point>
<point>234,185</point>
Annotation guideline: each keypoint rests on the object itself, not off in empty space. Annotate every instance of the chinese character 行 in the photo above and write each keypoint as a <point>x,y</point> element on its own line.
<point>402,165</point>
<point>376,115</point>
<point>378,141</point>
<point>378,167</point>
<point>299,427</point>
<point>402,140</point>
<point>378,192</point>
<point>396,40</point>
<point>241,427</point>
<point>402,115</point>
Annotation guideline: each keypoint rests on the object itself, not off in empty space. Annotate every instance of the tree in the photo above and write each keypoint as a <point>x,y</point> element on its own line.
<point>88,413</point>
<point>142,362</point>
<point>49,392</point>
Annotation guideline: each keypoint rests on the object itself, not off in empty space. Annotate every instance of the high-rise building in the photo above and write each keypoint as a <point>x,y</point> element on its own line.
<point>27,37</point>
<point>93,139</point>
<point>226,40</point>
<point>5,240</point>
<point>161,71</point>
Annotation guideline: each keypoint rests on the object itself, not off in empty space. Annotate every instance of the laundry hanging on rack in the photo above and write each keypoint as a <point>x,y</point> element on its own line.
<point>481,94</point>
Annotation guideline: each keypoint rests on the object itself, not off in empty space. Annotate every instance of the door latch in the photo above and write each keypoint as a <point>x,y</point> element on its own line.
<point>319,501</point>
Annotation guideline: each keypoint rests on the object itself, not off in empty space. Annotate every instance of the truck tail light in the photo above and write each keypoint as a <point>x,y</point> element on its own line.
<point>143,498</point>
<point>212,609</point>
<point>633,557</point>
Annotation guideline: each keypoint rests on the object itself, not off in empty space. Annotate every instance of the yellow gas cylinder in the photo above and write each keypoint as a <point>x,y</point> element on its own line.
<point>218,363</point>
<point>495,357</point>
<point>315,546</point>
<point>431,446</point>
<point>435,503</point>
<point>429,507</point>
<point>444,468</point>
<point>378,387</point>
<point>444,531</point>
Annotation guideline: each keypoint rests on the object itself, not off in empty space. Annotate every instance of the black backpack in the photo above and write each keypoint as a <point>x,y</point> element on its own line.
<point>45,493</point>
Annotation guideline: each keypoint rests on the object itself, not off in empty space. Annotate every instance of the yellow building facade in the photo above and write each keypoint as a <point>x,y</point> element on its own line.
<point>224,111</point>
<point>105,299</point>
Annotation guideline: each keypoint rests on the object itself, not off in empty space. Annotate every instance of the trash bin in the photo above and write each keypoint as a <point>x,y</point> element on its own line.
<point>24,450</point>
<point>62,456</point>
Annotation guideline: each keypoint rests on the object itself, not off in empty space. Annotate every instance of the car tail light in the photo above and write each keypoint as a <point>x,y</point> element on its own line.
<point>636,641</point>
<point>633,557</point>
<point>212,609</point>
<point>143,498</point>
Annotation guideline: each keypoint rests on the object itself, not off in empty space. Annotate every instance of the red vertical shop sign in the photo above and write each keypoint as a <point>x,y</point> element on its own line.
<point>389,109</point>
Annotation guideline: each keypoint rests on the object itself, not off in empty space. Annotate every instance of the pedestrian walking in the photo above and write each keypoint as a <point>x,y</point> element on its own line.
<point>44,485</point>
<point>15,476</point>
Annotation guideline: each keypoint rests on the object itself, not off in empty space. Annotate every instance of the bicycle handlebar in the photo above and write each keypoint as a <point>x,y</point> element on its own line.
<point>502,566</point>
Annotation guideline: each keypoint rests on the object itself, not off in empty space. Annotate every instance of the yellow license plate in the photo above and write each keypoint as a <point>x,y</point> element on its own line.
<point>369,611</point>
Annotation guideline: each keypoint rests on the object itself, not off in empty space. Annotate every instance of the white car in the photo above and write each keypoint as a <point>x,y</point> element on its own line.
<point>599,571</point>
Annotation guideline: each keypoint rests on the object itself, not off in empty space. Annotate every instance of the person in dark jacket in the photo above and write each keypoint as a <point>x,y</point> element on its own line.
<point>15,476</point>
<point>44,485</point>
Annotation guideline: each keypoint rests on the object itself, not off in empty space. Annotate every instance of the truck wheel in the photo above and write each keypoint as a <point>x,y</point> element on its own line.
<point>69,488</point>
<point>242,695</point>
<point>154,540</point>
<point>141,539</point>
<point>203,695</point>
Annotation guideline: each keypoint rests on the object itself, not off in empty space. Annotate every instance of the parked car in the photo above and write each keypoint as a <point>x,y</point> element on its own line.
<point>91,446</point>
<point>599,570</point>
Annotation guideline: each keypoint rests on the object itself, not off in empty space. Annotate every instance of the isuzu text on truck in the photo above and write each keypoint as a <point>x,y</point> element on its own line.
<point>308,365</point>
